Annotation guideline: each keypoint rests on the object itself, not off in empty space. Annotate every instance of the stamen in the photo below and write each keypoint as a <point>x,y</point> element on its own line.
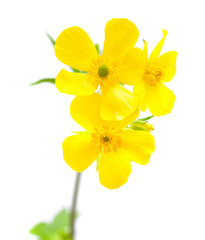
<point>107,139</point>
<point>154,74</point>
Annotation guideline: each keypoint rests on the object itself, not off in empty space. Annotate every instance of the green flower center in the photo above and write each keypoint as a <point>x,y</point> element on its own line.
<point>105,139</point>
<point>103,71</point>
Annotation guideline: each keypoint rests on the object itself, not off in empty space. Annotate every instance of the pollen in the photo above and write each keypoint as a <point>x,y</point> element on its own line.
<point>154,74</point>
<point>107,139</point>
<point>103,71</point>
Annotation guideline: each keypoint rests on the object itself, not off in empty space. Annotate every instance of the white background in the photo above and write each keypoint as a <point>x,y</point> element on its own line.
<point>162,200</point>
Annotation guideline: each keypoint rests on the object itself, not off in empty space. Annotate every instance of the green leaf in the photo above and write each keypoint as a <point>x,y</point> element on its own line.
<point>97,46</point>
<point>58,229</point>
<point>61,221</point>
<point>138,128</point>
<point>67,238</point>
<point>41,229</point>
<point>141,125</point>
<point>146,119</point>
<point>48,80</point>
<point>141,121</point>
<point>75,70</point>
<point>51,39</point>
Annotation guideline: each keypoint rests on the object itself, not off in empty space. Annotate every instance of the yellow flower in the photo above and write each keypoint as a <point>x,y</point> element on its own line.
<point>119,63</point>
<point>107,139</point>
<point>150,89</point>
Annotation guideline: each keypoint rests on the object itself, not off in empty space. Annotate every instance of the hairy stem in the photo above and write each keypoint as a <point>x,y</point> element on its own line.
<point>74,203</point>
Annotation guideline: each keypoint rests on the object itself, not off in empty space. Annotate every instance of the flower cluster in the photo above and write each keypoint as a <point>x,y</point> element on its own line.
<point>104,106</point>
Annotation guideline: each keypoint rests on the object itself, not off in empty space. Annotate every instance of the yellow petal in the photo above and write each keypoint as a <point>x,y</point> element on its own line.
<point>79,151</point>
<point>85,110</point>
<point>117,102</point>
<point>143,106</point>
<point>168,62</point>
<point>131,67</point>
<point>74,48</point>
<point>160,100</point>
<point>155,53</point>
<point>140,92</point>
<point>114,169</point>
<point>120,36</point>
<point>138,144</point>
<point>119,125</point>
<point>76,83</point>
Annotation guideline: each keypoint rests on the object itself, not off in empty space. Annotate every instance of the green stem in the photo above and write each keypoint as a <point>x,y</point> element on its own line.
<point>74,203</point>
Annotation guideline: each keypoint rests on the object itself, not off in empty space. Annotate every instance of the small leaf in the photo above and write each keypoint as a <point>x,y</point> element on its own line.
<point>138,128</point>
<point>75,70</point>
<point>66,237</point>
<point>138,121</point>
<point>141,126</point>
<point>41,229</point>
<point>51,39</point>
<point>97,46</point>
<point>61,221</point>
<point>58,229</point>
<point>48,80</point>
<point>146,119</point>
